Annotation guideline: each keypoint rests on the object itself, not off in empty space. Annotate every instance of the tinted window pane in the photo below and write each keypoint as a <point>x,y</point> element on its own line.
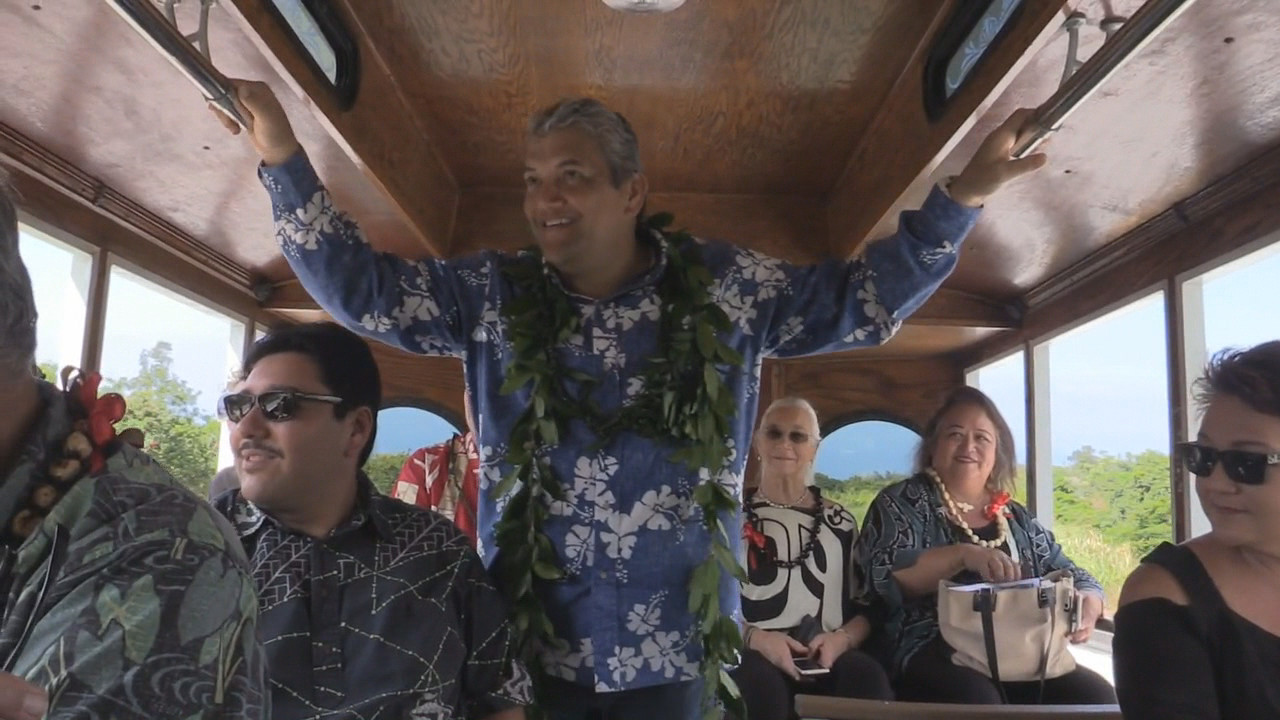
<point>401,430</point>
<point>1109,440</point>
<point>309,34</point>
<point>171,358</point>
<point>1004,381</point>
<point>60,276</point>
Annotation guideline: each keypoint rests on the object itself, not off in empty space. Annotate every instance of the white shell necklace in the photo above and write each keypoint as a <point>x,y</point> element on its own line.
<point>957,514</point>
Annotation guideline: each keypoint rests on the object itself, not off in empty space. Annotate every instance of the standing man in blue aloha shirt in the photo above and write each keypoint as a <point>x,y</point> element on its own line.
<point>627,532</point>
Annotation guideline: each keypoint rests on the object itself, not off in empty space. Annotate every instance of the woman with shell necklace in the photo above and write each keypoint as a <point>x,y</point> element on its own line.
<point>954,519</point>
<point>797,603</point>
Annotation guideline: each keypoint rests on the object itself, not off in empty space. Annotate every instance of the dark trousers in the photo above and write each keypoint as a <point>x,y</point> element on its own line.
<point>931,676</point>
<point>770,695</point>
<point>568,701</point>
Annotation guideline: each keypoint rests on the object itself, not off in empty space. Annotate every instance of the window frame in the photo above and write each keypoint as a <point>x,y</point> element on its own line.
<point>346,83</point>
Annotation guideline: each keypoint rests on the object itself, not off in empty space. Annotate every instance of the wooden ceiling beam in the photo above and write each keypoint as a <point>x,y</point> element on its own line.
<point>954,308</point>
<point>901,146</point>
<point>382,132</point>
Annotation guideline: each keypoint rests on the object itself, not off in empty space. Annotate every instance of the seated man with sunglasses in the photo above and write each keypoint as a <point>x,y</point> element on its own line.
<point>122,594</point>
<point>1198,630</point>
<point>369,607</point>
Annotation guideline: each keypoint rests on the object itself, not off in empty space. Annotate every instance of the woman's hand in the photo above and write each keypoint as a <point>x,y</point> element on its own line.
<point>828,646</point>
<point>1090,611</point>
<point>780,649</point>
<point>992,564</point>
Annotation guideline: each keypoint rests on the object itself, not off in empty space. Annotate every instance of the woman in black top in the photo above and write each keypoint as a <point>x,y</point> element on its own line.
<point>1198,630</point>
<point>797,601</point>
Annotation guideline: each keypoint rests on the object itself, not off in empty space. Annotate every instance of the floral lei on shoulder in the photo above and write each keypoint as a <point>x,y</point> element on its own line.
<point>683,401</point>
<point>83,452</point>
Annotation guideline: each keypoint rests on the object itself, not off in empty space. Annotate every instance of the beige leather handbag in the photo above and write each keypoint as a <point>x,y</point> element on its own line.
<point>1010,632</point>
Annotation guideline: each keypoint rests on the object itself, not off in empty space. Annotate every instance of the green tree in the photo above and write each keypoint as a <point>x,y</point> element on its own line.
<point>162,405</point>
<point>51,372</point>
<point>384,468</point>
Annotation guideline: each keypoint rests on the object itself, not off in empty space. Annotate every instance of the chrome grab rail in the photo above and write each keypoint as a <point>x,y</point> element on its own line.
<point>164,36</point>
<point>1149,20</point>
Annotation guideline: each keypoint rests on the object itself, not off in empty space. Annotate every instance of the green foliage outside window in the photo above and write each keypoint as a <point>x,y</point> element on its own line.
<point>181,437</point>
<point>384,468</point>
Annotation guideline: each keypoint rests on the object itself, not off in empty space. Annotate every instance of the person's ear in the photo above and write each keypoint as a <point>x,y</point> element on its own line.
<point>361,430</point>
<point>637,193</point>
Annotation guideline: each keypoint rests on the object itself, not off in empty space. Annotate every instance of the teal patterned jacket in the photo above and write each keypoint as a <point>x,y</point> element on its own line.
<point>131,599</point>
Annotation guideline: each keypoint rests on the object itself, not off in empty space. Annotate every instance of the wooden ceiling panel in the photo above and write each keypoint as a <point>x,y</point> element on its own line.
<point>791,228</point>
<point>1197,102</point>
<point>726,97</point>
<point>82,84</point>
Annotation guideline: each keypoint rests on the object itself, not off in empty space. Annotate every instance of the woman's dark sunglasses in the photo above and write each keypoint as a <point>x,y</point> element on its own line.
<point>277,405</point>
<point>795,436</point>
<point>1242,466</point>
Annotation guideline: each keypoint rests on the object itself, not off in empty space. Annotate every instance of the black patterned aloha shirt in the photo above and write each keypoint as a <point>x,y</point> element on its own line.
<point>132,598</point>
<point>391,616</point>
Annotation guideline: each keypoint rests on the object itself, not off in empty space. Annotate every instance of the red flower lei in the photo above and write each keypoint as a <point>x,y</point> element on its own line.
<point>102,413</point>
<point>755,538</point>
<point>998,506</point>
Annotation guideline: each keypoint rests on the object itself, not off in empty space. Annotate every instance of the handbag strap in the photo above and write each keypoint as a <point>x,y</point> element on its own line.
<point>1048,599</point>
<point>984,601</point>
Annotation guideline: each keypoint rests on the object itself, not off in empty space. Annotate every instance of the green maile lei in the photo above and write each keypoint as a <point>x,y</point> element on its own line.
<point>684,403</point>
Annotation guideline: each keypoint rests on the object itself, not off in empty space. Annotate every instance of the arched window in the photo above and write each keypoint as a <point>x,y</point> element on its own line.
<point>401,430</point>
<point>859,459</point>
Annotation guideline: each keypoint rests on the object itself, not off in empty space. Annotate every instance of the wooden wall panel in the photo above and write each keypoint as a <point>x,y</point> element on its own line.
<point>435,383</point>
<point>907,391</point>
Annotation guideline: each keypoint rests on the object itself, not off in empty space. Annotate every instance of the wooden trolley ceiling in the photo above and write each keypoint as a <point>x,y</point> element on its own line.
<point>793,126</point>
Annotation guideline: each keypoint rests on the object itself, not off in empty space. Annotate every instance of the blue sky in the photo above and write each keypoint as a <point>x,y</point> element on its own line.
<point>1108,386</point>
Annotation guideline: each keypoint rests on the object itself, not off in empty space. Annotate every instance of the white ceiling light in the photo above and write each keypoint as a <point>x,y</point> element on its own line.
<point>644,6</point>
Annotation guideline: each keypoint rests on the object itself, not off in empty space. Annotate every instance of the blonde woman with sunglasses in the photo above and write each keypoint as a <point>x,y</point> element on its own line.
<point>1198,630</point>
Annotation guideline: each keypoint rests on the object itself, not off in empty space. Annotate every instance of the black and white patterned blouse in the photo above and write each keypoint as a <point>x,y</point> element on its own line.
<point>822,587</point>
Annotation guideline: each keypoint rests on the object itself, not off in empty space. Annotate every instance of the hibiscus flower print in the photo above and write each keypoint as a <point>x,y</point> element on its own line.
<point>644,618</point>
<point>376,322</point>
<point>624,663</point>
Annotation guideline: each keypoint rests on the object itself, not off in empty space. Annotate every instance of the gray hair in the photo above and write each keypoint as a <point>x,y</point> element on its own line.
<point>802,404</point>
<point>609,129</point>
<point>17,301</point>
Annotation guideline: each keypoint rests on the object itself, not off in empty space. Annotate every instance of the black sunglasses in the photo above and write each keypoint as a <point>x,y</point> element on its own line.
<point>1242,466</point>
<point>795,436</point>
<point>277,405</point>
